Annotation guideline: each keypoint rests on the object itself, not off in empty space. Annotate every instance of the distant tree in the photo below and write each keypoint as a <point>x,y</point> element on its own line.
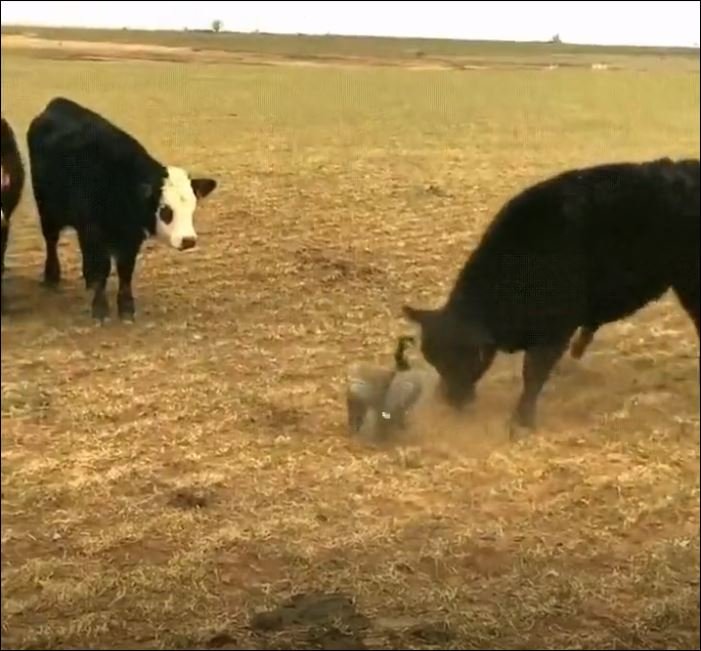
<point>217,25</point>
<point>556,39</point>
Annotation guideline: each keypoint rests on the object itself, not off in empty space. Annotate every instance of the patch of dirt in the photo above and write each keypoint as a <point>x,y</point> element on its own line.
<point>331,621</point>
<point>330,269</point>
<point>324,621</point>
<point>24,42</point>
<point>308,609</point>
<point>102,51</point>
<point>189,499</point>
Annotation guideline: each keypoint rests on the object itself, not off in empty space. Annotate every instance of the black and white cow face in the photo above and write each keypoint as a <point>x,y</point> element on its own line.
<point>176,208</point>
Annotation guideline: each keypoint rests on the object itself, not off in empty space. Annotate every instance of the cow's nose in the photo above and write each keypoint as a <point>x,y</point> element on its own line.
<point>188,243</point>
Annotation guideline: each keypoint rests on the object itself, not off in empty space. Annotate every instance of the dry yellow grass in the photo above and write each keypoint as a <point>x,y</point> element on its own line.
<point>166,483</point>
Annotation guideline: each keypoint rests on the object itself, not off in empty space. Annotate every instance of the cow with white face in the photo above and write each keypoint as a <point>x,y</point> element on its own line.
<point>174,220</point>
<point>90,175</point>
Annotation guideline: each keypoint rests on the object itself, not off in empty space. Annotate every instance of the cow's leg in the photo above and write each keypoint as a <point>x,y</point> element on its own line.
<point>87,257</point>
<point>100,273</point>
<point>86,272</point>
<point>582,341</point>
<point>5,222</point>
<point>688,294</point>
<point>52,266</point>
<point>125,270</point>
<point>538,363</point>
<point>5,235</point>
<point>96,267</point>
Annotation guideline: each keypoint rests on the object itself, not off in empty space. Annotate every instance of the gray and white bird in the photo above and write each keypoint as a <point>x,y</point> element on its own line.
<point>385,396</point>
<point>405,391</point>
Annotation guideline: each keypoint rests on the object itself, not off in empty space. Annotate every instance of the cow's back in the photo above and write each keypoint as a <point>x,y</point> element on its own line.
<point>64,164</point>
<point>67,128</point>
<point>83,164</point>
<point>586,246</point>
<point>641,237</point>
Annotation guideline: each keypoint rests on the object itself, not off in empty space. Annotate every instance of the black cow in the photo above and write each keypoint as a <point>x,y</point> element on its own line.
<point>579,250</point>
<point>90,175</point>
<point>12,174</point>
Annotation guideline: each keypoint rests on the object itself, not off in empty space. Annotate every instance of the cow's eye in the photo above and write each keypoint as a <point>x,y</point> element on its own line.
<point>165,214</point>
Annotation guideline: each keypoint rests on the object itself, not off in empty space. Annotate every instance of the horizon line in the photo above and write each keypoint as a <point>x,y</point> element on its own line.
<point>205,30</point>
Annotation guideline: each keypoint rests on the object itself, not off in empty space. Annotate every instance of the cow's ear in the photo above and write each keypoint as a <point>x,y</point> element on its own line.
<point>418,316</point>
<point>203,187</point>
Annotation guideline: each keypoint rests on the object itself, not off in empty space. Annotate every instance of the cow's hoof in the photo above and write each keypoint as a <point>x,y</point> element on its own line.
<point>521,426</point>
<point>126,311</point>
<point>100,312</point>
<point>518,432</point>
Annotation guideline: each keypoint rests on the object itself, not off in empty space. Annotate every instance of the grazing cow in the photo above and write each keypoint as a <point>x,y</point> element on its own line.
<point>579,250</point>
<point>12,175</point>
<point>90,175</point>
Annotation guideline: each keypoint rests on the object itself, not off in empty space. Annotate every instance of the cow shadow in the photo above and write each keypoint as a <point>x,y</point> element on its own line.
<point>25,296</point>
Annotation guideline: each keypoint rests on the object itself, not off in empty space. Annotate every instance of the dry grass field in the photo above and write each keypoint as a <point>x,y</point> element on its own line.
<point>188,482</point>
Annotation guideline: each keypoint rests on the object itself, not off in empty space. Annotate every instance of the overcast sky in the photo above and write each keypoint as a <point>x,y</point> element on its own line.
<point>635,23</point>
